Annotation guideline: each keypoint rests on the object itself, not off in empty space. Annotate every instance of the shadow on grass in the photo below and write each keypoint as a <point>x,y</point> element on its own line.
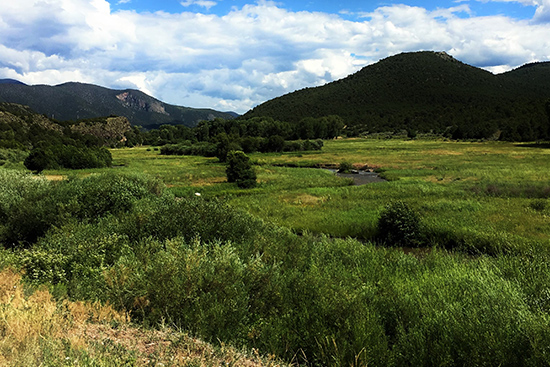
<point>534,145</point>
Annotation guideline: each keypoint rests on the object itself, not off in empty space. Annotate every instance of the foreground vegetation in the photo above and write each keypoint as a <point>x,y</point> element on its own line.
<point>38,330</point>
<point>265,268</point>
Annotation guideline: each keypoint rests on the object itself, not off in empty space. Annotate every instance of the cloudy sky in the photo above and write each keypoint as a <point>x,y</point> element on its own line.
<point>231,55</point>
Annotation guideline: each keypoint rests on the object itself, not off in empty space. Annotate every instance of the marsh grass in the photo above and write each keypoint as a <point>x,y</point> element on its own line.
<point>465,191</point>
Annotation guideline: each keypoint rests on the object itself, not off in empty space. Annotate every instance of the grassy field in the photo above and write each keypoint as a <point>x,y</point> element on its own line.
<point>309,295</point>
<point>488,196</point>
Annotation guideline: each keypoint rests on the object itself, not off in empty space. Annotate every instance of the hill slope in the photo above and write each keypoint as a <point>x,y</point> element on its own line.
<point>73,101</point>
<point>426,91</point>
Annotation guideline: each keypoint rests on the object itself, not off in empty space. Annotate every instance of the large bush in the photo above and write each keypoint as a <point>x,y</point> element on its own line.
<point>29,214</point>
<point>240,170</point>
<point>67,156</point>
<point>399,225</point>
<point>40,159</point>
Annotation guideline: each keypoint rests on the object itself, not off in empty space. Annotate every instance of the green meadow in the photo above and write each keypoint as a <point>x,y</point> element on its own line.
<point>296,268</point>
<point>484,197</point>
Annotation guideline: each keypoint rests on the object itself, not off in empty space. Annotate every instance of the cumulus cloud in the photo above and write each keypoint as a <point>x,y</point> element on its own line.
<point>247,56</point>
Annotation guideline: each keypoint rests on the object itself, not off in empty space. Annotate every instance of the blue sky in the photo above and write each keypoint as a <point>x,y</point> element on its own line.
<point>356,8</point>
<point>234,54</point>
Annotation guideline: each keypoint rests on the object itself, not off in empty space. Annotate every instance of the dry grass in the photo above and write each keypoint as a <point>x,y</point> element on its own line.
<point>55,177</point>
<point>304,200</point>
<point>37,330</point>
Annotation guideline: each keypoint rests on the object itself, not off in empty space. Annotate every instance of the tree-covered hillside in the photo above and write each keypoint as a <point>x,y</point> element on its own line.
<point>427,91</point>
<point>73,101</point>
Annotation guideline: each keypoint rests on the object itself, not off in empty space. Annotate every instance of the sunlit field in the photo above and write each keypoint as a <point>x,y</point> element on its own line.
<point>490,195</point>
<point>296,267</point>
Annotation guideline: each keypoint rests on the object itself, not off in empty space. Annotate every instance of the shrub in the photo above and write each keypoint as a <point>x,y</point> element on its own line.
<point>32,214</point>
<point>204,149</point>
<point>399,225</point>
<point>345,167</point>
<point>68,156</point>
<point>274,143</point>
<point>240,170</point>
<point>251,144</point>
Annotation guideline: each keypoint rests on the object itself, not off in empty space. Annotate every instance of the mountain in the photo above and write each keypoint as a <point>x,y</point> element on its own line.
<point>10,81</point>
<point>427,91</point>
<point>73,101</point>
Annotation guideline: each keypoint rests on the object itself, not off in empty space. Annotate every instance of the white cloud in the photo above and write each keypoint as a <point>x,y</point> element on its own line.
<point>247,56</point>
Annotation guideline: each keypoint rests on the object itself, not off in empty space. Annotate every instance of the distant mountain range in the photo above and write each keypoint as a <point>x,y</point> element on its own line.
<point>419,92</point>
<point>428,91</point>
<point>73,101</point>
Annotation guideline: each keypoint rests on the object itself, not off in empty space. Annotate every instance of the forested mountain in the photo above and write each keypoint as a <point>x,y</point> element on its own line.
<point>428,91</point>
<point>73,101</point>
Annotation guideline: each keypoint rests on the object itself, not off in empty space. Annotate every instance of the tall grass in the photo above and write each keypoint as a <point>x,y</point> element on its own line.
<point>36,330</point>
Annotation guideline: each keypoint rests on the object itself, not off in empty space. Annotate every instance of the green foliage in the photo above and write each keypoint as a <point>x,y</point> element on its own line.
<point>224,275</point>
<point>223,146</point>
<point>345,167</point>
<point>11,156</point>
<point>204,149</point>
<point>227,276</point>
<point>30,213</point>
<point>240,170</point>
<point>399,225</point>
<point>71,157</point>
<point>538,205</point>
<point>274,143</point>
<point>39,160</point>
<point>15,189</point>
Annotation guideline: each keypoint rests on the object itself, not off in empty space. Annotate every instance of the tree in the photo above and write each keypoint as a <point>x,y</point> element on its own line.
<point>240,170</point>
<point>274,143</point>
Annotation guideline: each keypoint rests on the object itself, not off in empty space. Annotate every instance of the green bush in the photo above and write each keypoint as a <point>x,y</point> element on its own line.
<point>345,167</point>
<point>67,156</point>
<point>12,156</point>
<point>40,159</point>
<point>399,226</point>
<point>204,149</point>
<point>32,213</point>
<point>240,170</point>
<point>164,218</point>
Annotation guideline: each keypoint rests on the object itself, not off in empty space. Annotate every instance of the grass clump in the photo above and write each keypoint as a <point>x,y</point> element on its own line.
<point>33,206</point>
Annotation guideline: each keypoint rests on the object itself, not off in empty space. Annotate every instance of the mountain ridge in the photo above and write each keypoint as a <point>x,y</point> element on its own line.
<point>424,91</point>
<point>74,101</point>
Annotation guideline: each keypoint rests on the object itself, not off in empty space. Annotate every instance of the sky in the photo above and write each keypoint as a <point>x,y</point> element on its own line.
<point>231,55</point>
